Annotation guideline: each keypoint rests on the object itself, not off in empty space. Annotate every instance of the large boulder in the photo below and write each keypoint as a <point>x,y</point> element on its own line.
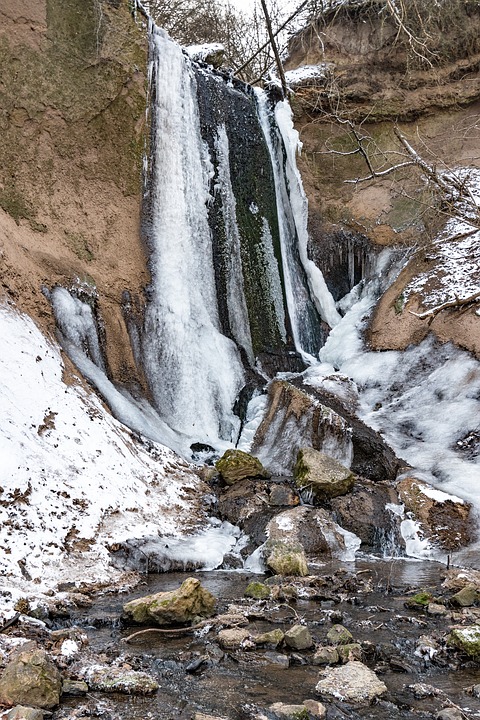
<point>237,465</point>
<point>353,682</point>
<point>293,419</point>
<point>321,475</point>
<point>444,519</point>
<point>31,679</point>
<point>299,415</point>
<point>174,607</point>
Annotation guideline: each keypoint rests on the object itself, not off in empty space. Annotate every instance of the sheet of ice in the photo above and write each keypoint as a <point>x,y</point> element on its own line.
<point>69,469</point>
<point>292,219</point>
<point>202,52</point>
<point>424,400</point>
<point>193,370</point>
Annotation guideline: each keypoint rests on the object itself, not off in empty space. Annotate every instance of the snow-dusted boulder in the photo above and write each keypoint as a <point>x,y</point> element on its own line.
<point>444,519</point>
<point>353,682</point>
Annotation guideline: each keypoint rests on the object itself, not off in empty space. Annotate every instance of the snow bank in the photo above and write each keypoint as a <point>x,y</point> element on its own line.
<point>72,478</point>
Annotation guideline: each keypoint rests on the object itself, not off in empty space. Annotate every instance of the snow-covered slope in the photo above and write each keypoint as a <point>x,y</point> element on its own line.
<point>68,469</point>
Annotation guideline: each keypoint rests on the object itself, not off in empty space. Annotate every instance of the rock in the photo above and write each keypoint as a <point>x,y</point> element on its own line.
<point>293,413</point>
<point>450,714</point>
<point>74,687</point>
<point>458,578</point>
<point>179,606</point>
<point>313,530</point>
<point>321,475</point>
<point>353,682</point>
<point>278,659</point>
<point>273,637</point>
<point>436,609</point>
<point>257,590</point>
<point>319,419</point>
<point>316,709</point>
<point>231,619</point>
<point>23,713</point>
<point>466,597</point>
<point>444,519</point>
<point>233,638</point>
<point>202,716</point>
<point>285,558</point>
<point>237,465</point>
<point>326,655</point>
<point>31,679</point>
<point>339,635</point>
<point>363,511</point>
<point>350,651</point>
<point>466,639</point>
<point>282,495</point>
<point>289,712</point>
<point>298,638</point>
<point>476,691</point>
<point>117,680</point>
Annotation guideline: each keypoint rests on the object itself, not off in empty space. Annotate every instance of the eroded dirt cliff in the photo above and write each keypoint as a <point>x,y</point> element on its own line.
<point>72,121</point>
<point>368,81</point>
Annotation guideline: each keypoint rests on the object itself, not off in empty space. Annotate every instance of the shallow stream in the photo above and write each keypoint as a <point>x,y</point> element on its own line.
<point>195,675</point>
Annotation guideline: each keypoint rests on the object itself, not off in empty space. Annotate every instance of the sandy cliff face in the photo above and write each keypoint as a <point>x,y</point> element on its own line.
<point>369,80</point>
<point>72,99</point>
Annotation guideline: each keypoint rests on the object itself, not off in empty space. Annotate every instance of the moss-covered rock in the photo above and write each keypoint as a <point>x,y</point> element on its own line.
<point>179,606</point>
<point>273,637</point>
<point>323,476</point>
<point>349,651</point>
<point>289,712</point>
<point>339,635</point>
<point>326,655</point>
<point>237,465</point>
<point>285,558</point>
<point>31,679</point>
<point>257,590</point>
<point>467,639</point>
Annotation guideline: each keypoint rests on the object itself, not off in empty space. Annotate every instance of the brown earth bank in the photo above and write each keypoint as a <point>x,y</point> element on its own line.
<point>72,119</point>
<point>347,122</point>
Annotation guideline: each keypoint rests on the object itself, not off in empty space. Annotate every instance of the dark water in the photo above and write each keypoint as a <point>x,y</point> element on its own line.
<point>371,605</point>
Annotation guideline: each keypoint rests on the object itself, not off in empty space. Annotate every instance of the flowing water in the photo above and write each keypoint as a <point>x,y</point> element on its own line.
<point>195,675</point>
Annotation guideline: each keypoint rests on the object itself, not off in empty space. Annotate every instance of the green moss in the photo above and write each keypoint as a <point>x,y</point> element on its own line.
<point>257,590</point>
<point>421,599</point>
<point>79,244</point>
<point>16,205</point>
<point>399,304</point>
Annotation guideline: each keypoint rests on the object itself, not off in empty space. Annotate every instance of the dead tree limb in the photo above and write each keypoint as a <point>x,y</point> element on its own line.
<point>273,43</point>
<point>457,302</point>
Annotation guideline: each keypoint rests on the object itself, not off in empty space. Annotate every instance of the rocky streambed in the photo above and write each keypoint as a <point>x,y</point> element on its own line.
<point>370,639</point>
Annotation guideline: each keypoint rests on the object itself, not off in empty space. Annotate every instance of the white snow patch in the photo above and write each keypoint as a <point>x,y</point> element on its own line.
<point>308,73</point>
<point>69,470</point>
<point>69,648</point>
<point>202,52</point>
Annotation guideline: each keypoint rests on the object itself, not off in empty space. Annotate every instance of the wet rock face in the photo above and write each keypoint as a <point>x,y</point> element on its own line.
<point>173,607</point>
<point>31,679</point>
<point>445,520</point>
<point>363,512</point>
<point>299,415</point>
<point>294,419</point>
<point>321,475</point>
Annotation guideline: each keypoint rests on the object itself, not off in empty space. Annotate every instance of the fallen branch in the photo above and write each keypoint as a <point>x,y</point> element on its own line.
<point>168,631</point>
<point>458,302</point>
<point>10,622</point>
